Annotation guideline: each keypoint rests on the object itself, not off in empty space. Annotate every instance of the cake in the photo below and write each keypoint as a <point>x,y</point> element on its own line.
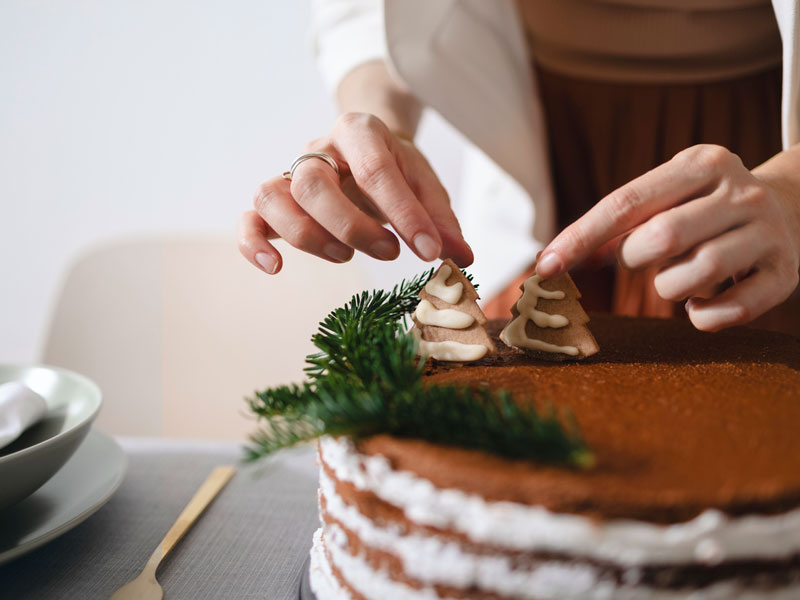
<point>695,490</point>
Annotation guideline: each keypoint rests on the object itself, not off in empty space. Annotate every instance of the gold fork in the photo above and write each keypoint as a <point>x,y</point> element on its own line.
<point>145,586</point>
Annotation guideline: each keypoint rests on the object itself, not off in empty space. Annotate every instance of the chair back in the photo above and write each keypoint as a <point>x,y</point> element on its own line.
<point>177,331</point>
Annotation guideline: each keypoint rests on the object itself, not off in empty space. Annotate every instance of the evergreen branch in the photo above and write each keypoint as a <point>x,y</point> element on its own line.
<point>366,379</point>
<point>344,334</point>
<point>448,415</point>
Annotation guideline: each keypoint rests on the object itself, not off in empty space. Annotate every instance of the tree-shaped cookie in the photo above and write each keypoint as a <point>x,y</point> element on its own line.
<point>448,323</point>
<point>549,322</point>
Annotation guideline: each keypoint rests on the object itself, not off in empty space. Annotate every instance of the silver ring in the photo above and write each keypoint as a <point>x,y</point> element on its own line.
<point>303,157</point>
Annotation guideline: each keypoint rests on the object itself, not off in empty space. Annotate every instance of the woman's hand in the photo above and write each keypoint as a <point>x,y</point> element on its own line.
<point>703,218</point>
<point>383,178</point>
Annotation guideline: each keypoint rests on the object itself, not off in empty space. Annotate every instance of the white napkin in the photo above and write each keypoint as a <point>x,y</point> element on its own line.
<point>20,407</point>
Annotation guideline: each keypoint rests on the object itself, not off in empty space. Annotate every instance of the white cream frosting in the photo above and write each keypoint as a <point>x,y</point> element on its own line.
<point>449,350</point>
<point>437,286</point>
<point>320,576</point>
<point>378,585</point>
<point>534,344</point>
<point>428,314</point>
<point>708,538</point>
<point>515,335</point>
<point>435,560</point>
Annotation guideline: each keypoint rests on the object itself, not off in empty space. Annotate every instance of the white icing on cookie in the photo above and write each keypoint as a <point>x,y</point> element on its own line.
<point>428,314</point>
<point>545,347</point>
<point>515,335</point>
<point>449,350</point>
<point>437,287</point>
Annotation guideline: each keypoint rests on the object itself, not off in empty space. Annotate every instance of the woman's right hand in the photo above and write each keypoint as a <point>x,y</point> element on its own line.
<point>383,179</point>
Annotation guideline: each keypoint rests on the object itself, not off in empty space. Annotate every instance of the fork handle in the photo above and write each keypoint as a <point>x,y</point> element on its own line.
<point>202,498</point>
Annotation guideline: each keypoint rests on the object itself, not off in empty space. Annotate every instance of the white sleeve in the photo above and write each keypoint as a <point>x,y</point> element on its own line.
<point>345,34</point>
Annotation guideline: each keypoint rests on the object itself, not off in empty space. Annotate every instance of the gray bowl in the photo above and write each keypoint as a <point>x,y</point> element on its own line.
<point>73,402</point>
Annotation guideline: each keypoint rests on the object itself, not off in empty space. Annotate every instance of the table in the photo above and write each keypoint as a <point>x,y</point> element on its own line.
<point>251,542</point>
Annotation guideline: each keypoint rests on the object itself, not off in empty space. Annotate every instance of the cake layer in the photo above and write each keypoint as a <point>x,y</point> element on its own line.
<point>679,422</point>
<point>329,563</point>
<point>380,550</point>
<point>370,485</point>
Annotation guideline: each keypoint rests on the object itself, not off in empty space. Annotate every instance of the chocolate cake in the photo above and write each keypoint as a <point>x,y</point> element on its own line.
<point>695,490</point>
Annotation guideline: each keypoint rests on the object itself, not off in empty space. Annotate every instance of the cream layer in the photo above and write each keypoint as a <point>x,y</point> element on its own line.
<point>320,576</point>
<point>378,585</point>
<point>434,560</point>
<point>710,538</point>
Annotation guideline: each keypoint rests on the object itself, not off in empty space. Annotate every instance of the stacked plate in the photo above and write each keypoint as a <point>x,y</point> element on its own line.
<point>59,471</point>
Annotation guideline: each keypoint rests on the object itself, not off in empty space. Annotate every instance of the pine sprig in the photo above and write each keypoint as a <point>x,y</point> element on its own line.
<point>366,379</point>
<point>342,335</point>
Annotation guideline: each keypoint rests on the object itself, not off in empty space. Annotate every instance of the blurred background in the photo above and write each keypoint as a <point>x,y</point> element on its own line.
<point>132,135</point>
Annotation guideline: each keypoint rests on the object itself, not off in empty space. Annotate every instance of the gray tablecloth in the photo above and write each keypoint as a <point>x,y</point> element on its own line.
<point>251,542</point>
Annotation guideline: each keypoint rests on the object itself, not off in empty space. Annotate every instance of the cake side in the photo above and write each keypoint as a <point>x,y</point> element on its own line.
<point>390,534</point>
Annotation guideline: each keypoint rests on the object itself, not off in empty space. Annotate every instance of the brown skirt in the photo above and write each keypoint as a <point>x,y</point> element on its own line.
<point>602,135</point>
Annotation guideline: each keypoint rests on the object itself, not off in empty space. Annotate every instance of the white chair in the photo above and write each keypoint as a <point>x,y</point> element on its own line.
<point>177,331</point>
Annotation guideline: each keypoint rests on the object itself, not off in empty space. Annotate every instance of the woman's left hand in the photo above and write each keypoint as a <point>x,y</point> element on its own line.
<point>702,218</point>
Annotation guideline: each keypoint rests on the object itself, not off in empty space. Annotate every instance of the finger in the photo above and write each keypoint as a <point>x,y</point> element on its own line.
<point>316,188</point>
<point>688,174</point>
<point>436,202</point>
<point>677,230</point>
<point>453,244</point>
<point>739,304</point>
<point>712,262</point>
<point>455,247</point>
<point>351,190</point>
<point>252,234</point>
<point>365,148</point>
<point>289,221</point>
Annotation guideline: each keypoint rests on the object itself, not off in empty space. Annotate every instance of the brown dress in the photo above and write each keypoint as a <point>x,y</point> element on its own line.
<point>603,134</point>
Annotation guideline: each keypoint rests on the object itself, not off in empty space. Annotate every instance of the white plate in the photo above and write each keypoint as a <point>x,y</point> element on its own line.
<point>84,484</point>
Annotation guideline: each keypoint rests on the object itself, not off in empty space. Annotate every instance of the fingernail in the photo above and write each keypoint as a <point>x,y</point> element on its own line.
<point>338,252</point>
<point>267,262</point>
<point>384,249</point>
<point>549,265</point>
<point>426,246</point>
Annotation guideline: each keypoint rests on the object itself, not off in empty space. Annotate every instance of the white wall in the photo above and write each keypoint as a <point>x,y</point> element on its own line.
<point>120,117</point>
